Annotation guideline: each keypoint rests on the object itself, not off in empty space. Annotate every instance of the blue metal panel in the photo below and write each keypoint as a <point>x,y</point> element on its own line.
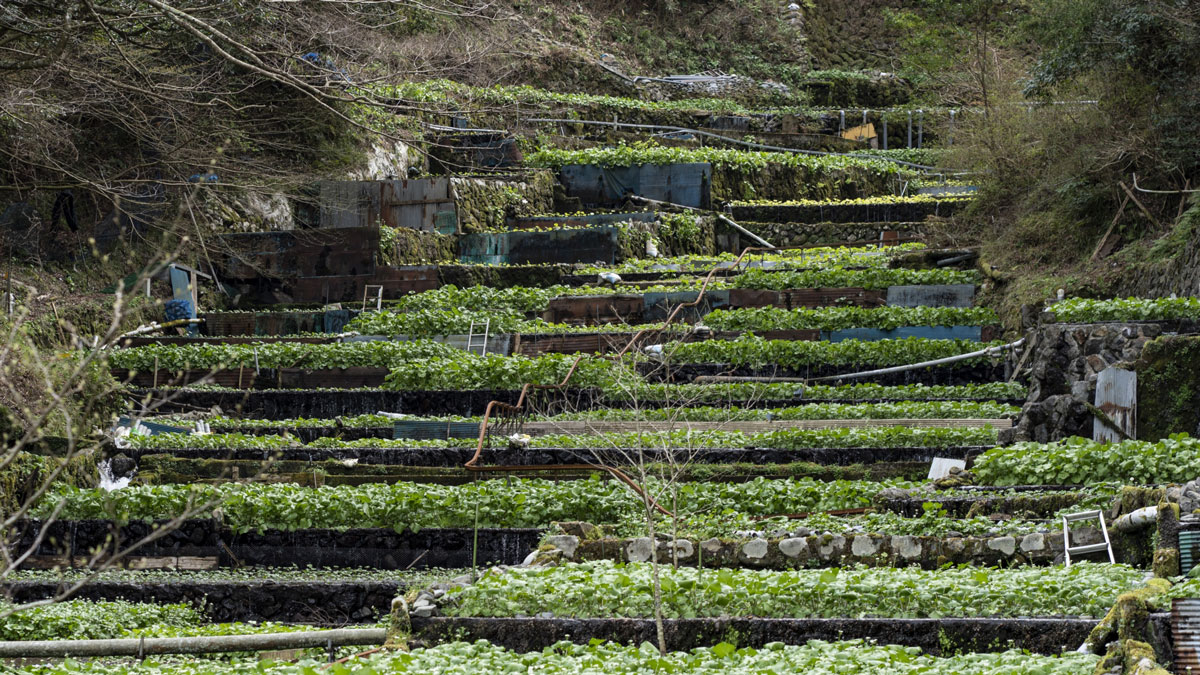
<point>930,332</point>
<point>952,295</point>
<point>686,184</point>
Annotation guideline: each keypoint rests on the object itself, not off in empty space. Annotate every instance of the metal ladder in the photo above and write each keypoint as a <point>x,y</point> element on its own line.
<point>1091,548</point>
<point>482,342</point>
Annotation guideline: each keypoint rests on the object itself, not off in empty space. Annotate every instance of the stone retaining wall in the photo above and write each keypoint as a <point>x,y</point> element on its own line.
<point>827,550</point>
<point>1062,365</point>
<point>811,234</point>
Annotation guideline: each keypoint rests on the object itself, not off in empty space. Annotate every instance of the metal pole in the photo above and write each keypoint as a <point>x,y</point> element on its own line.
<point>191,645</point>
<point>841,120</point>
<point>920,127</point>
<point>950,140</point>
<point>910,128</point>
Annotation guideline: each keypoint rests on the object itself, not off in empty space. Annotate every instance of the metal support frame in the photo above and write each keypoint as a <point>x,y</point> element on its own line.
<point>378,296</point>
<point>1068,549</point>
<point>482,344</point>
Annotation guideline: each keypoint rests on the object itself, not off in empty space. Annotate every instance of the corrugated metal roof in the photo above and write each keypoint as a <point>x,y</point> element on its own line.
<point>1185,632</point>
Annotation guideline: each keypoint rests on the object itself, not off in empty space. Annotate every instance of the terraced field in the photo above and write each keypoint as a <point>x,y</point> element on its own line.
<point>715,461</point>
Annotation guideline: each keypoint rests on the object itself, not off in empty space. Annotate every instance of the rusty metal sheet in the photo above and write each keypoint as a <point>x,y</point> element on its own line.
<point>1116,396</point>
<point>827,297</point>
<point>604,343</point>
<point>1185,634</point>
<point>396,282</point>
<point>686,184</point>
<point>593,309</point>
<point>243,378</point>
<point>659,305</point>
<point>464,152</point>
<point>750,298</point>
<point>588,245</point>
<point>358,377</point>
<point>301,253</point>
<point>415,203</point>
<point>948,295</point>
<point>227,323</point>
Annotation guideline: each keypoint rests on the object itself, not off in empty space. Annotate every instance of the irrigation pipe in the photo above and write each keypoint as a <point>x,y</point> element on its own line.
<point>990,351</point>
<point>141,647</point>
<point>156,326</point>
<point>753,237</point>
<point>1159,192</point>
<point>654,202</point>
<point>751,144</point>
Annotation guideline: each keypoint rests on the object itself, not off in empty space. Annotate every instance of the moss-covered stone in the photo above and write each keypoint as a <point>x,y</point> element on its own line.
<point>485,203</point>
<point>1129,618</point>
<point>1166,562</point>
<point>406,246</point>
<point>26,474</point>
<point>1168,387</point>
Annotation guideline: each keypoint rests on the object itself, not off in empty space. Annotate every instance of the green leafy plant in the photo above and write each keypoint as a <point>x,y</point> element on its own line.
<point>413,506</point>
<point>612,589</point>
<point>816,657</point>
<point>870,279</point>
<point>1077,461</point>
<point>1086,310</point>
<point>838,318</point>
<point>754,351</point>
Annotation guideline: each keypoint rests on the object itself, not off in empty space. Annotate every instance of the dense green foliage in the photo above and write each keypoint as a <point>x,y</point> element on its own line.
<point>614,589</point>
<point>98,620</point>
<point>603,658</point>
<point>754,351</point>
<point>818,258</point>
<point>870,279</point>
<point>690,394</point>
<point>838,318</point>
<point>242,575</point>
<point>445,91</point>
<point>468,370</point>
<point>435,322</point>
<point>782,439</point>
<point>878,200</point>
<point>279,355</point>
<point>1077,461</point>
<point>84,620</point>
<point>1086,310</point>
<point>811,411</point>
<point>648,153</point>
<point>1140,58</point>
<point>412,506</point>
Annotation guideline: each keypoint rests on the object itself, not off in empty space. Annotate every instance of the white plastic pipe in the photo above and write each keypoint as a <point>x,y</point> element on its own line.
<point>191,645</point>
<point>1137,520</point>
<point>990,351</point>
